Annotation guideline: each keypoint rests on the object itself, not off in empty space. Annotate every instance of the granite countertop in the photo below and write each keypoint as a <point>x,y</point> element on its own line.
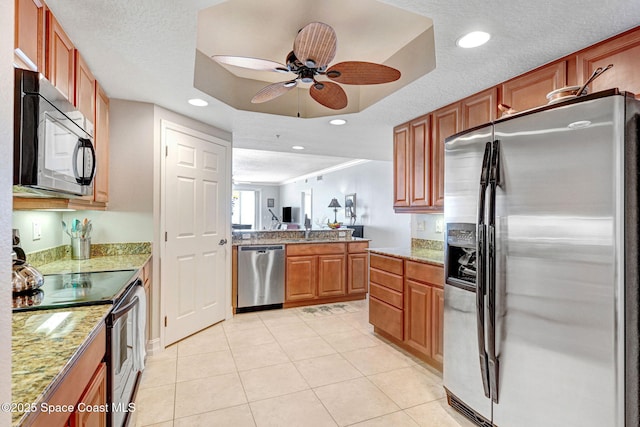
<point>98,263</point>
<point>42,352</point>
<point>280,241</point>
<point>432,256</point>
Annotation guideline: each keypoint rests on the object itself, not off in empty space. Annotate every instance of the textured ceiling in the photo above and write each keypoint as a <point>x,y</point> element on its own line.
<point>266,30</point>
<point>145,50</point>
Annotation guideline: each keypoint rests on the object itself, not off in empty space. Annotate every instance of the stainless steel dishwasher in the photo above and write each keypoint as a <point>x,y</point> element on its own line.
<point>260,277</point>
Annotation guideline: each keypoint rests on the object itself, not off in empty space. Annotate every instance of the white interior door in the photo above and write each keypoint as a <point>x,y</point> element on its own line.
<point>196,211</point>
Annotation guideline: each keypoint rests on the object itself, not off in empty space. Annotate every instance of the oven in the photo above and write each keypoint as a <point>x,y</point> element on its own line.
<point>125,353</point>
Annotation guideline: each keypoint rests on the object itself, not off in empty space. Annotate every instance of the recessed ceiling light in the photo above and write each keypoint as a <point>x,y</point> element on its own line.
<point>337,122</point>
<point>298,147</point>
<point>198,102</point>
<point>473,39</point>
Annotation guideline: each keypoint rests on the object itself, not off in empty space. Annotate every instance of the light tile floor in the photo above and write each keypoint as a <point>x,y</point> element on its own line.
<point>305,366</point>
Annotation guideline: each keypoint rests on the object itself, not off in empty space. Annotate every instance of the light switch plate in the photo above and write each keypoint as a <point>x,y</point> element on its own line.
<point>37,231</point>
<point>440,226</point>
<point>246,236</point>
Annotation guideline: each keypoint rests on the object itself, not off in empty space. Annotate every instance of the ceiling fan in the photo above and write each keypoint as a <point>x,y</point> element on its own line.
<point>313,49</point>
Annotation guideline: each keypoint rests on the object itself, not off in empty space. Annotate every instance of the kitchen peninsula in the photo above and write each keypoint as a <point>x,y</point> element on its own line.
<point>406,304</point>
<point>326,266</point>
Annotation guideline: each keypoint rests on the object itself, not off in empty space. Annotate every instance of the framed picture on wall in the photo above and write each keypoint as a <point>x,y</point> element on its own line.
<point>350,205</point>
<point>271,203</point>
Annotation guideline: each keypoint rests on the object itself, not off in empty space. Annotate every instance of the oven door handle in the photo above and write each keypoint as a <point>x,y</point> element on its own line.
<point>124,310</point>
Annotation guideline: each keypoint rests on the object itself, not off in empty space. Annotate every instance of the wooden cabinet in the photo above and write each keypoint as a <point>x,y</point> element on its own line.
<point>447,121</point>
<point>60,58</point>
<point>479,109</point>
<point>530,89</point>
<point>420,162</point>
<point>417,316</point>
<point>101,142</point>
<point>406,305</point>
<point>623,52</point>
<point>437,325</point>
<point>325,272</point>
<point>415,167</point>
<point>94,396</point>
<point>146,282</point>
<point>357,268</point>
<point>401,166</point>
<point>29,34</point>
<point>386,304</point>
<point>300,278</point>
<point>84,89</point>
<point>331,275</point>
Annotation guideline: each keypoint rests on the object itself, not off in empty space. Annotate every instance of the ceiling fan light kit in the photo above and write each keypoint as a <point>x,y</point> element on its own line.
<point>313,49</point>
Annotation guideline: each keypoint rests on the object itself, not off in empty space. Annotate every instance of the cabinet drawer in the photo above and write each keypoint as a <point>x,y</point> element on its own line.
<point>383,278</point>
<point>316,249</point>
<point>386,263</point>
<point>386,295</point>
<point>387,318</point>
<point>358,247</point>
<point>425,273</point>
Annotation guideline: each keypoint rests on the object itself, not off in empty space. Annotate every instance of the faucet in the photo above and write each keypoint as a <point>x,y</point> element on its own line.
<point>307,227</point>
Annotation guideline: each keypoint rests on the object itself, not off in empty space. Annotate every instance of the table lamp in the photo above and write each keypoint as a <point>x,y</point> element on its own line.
<point>335,205</point>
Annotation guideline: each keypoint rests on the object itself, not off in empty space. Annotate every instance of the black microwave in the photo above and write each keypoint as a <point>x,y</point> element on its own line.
<point>53,142</point>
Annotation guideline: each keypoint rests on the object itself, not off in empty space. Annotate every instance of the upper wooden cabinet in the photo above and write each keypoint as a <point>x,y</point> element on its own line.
<point>85,89</point>
<point>101,142</point>
<point>530,89</point>
<point>479,109</point>
<point>401,166</point>
<point>447,121</point>
<point>60,58</point>
<point>415,166</point>
<point>623,52</point>
<point>29,35</point>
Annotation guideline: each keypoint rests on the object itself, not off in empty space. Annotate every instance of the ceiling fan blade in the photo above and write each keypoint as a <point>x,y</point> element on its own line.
<point>315,42</point>
<point>362,73</point>
<point>251,63</point>
<point>273,91</point>
<point>331,95</point>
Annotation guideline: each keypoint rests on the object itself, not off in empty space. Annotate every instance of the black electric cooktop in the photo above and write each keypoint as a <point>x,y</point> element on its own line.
<point>75,289</point>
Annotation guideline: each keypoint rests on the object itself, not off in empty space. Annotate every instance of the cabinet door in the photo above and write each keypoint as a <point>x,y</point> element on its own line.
<point>357,273</point>
<point>479,109</point>
<point>85,88</point>
<point>301,278</point>
<point>101,141</point>
<point>29,38</point>
<point>94,395</point>
<point>331,275</point>
<point>437,323</point>
<point>624,53</point>
<point>386,317</point>
<point>417,316</point>
<point>60,58</point>
<point>420,162</point>
<point>401,166</point>
<point>530,90</point>
<point>446,122</point>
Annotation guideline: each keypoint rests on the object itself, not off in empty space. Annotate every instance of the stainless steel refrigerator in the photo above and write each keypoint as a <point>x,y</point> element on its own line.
<point>542,266</point>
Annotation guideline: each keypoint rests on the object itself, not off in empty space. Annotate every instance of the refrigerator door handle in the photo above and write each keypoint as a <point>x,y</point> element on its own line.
<point>494,181</point>
<point>481,276</point>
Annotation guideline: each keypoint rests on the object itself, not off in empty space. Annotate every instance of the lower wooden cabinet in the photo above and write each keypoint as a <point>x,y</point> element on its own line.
<point>94,397</point>
<point>300,278</point>
<point>406,305</point>
<point>325,272</point>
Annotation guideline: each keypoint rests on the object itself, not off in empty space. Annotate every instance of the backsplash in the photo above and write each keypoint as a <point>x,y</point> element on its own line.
<point>435,245</point>
<point>47,256</point>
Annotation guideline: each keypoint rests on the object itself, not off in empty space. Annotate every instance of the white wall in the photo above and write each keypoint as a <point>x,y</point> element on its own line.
<point>425,226</point>
<point>50,226</point>
<point>265,192</point>
<point>373,184</point>
<point>6,180</point>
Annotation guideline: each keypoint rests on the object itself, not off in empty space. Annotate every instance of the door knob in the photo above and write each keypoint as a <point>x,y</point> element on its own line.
<point>222,242</point>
